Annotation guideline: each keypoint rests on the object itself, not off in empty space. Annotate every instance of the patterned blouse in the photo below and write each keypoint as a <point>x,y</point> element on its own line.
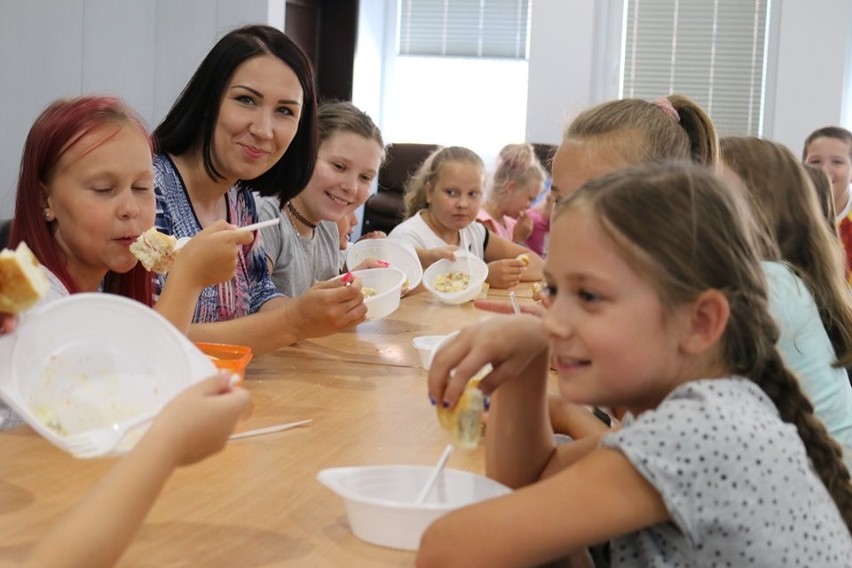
<point>251,287</point>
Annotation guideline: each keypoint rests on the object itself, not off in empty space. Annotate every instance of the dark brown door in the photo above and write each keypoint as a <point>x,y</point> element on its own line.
<point>327,31</point>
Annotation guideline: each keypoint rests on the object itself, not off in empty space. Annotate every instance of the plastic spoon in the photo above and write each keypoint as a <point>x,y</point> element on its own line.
<point>514,301</point>
<point>253,227</point>
<point>433,477</point>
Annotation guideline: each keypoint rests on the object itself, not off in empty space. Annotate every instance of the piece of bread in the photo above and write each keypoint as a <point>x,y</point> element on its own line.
<point>155,250</point>
<point>464,420</point>
<point>537,287</point>
<point>22,281</point>
<point>523,257</point>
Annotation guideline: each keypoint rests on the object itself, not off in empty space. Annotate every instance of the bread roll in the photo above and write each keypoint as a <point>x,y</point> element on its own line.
<point>155,250</point>
<point>22,281</point>
<point>464,421</point>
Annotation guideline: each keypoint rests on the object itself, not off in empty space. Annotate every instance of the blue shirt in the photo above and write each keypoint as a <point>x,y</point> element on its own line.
<point>251,286</point>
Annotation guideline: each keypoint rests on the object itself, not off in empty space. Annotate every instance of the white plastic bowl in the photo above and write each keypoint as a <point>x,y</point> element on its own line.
<point>387,282</point>
<point>470,264</point>
<point>425,345</point>
<point>89,360</point>
<point>380,499</point>
<point>400,254</point>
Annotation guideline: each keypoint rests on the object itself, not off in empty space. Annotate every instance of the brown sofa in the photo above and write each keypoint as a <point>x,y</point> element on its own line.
<point>385,209</point>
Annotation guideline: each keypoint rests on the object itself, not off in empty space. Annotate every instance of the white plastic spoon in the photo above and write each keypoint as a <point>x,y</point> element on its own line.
<point>433,477</point>
<point>514,301</point>
<point>253,227</point>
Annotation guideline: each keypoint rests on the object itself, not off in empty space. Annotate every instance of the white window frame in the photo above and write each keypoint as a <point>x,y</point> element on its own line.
<point>610,57</point>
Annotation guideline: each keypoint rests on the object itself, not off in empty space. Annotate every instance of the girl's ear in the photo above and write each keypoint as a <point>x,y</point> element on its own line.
<point>427,191</point>
<point>45,203</point>
<point>707,320</point>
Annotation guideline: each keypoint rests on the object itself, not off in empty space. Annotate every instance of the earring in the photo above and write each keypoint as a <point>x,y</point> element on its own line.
<point>48,216</point>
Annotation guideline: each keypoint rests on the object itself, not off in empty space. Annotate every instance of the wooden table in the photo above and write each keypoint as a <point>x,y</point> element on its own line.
<point>258,502</point>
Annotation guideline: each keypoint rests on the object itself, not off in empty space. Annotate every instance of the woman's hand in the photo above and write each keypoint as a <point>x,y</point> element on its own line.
<point>509,344</point>
<point>210,257</point>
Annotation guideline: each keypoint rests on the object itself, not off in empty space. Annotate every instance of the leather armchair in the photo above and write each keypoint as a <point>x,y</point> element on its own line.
<point>385,209</point>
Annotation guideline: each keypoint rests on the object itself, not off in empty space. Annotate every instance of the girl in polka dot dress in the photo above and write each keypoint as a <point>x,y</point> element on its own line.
<point>657,303</point>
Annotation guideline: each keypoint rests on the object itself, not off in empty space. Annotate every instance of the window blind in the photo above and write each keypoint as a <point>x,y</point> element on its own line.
<point>464,28</point>
<point>713,51</point>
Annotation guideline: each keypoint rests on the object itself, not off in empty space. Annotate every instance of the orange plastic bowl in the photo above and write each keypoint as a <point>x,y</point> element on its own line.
<point>227,357</point>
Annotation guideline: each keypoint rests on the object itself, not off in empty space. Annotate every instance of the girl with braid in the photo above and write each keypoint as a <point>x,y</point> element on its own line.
<point>657,302</point>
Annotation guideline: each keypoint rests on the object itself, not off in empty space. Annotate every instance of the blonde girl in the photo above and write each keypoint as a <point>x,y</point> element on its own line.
<point>304,247</point>
<point>442,200</point>
<point>656,302</point>
<point>517,180</point>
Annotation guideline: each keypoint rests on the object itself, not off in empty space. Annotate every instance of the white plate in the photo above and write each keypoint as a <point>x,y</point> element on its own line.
<point>400,254</point>
<point>88,360</point>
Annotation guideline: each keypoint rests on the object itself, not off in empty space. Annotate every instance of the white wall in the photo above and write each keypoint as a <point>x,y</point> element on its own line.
<point>562,43</point>
<point>141,50</point>
<point>814,69</point>
<point>571,66</point>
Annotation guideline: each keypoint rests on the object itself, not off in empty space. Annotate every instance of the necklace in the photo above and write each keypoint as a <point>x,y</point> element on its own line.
<point>299,216</point>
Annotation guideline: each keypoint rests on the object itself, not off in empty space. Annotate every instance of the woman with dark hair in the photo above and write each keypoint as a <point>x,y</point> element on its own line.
<point>245,122</point>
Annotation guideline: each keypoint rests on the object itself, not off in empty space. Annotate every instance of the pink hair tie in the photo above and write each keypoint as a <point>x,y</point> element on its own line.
<point>666,106</point>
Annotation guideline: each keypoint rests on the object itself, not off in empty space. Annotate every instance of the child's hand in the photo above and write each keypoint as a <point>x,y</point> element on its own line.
<point>210,257</point>
<point>8,323</point>
<point>505,307</point>
<point>428,257</point>
<point>505,273</point>
<point>509,344</point>
<point>372,262</point>
<point>328,307</point>
<point>373,235</point>
<point>198,421</point>
<point>523,228</point>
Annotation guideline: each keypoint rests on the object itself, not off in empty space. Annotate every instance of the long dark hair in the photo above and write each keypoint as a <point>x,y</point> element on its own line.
<point>192,119</point>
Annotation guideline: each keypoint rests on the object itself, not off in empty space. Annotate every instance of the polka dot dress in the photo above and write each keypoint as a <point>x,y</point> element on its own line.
<point>735,480</point>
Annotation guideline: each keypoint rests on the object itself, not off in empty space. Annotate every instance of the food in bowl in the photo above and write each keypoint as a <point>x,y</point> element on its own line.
<point>368,292</point>
<point>155,250</point>
<point>452,282</point>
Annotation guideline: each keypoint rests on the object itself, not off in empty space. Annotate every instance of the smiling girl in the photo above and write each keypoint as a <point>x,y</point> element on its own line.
<point>304,247</point>
<point>442,201</point>
<point>656,301</point>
